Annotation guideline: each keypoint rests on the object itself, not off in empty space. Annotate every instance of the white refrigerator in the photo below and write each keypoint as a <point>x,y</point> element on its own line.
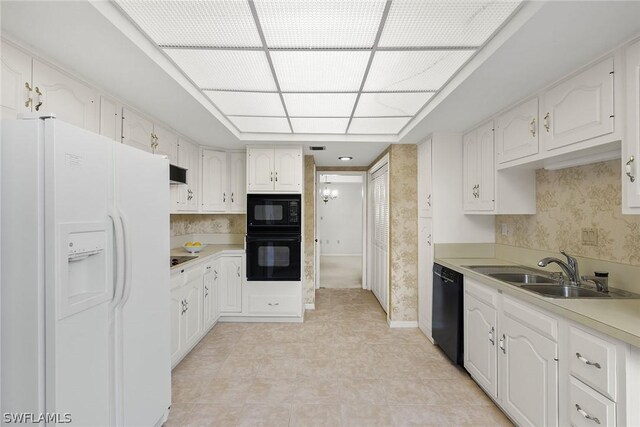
<point>85,280</point>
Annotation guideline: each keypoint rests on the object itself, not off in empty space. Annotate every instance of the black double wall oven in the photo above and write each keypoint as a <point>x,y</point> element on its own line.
<point>274,237</point>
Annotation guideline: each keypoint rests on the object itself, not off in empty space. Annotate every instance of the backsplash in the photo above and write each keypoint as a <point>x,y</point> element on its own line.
<point>208,224</point>
<point>569,200</point>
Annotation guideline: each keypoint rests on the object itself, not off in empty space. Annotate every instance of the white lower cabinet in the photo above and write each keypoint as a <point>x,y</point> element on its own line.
<point>588,408</point>
<point>425,275</point>
<point>267,299</point>
<point>230,276</point>
<point>211,303</point>
<point>510,354</point>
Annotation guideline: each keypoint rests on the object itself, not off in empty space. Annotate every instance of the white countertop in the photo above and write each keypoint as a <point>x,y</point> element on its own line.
<point>207,252</point>
<point>619,318</point>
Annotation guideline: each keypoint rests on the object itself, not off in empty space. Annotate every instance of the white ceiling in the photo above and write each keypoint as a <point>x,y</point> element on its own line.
<point>319,57</point>
<point>549,41</point>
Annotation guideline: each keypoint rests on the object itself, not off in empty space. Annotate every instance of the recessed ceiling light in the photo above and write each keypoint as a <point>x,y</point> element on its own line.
<point>345,158</point>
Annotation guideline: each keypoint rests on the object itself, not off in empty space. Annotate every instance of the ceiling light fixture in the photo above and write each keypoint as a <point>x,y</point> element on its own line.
<point>328,194</point>
<point>345,158</point>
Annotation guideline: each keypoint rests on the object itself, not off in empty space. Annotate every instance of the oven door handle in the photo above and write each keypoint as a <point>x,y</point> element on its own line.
<point>273,239</point>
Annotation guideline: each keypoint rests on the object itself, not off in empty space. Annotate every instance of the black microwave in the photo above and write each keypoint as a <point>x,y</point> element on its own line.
<point>274,213</point>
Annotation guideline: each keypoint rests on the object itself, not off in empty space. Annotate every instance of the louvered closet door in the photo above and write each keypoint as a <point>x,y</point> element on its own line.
<point>380,241</point>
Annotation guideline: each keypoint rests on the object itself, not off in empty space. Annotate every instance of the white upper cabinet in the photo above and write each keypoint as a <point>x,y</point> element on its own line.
<point>631,142</point>
<point>137,131</point>
<point>237,182</point>
<point>186,196</point>
<point>517,132</point>
<point>166,143</point>
<point>110,119</point>
<point>276,169</point>
<point>579,108</point>
<point>16,89</point>
<point>71,100</point>
<point>479,169</point>
<point>425,199</point>
<point>214,181</point>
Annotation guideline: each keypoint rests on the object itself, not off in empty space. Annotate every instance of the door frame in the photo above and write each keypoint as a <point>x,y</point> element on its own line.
<point>365,227</point>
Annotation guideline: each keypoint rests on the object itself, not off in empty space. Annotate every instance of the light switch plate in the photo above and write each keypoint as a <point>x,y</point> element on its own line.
<point>590,237</point>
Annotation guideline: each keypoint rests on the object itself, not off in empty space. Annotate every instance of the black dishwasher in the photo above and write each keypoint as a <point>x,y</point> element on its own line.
<point>447,312</point>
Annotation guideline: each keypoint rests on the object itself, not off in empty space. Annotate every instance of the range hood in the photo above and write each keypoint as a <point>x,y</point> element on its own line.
<point>177,175</point>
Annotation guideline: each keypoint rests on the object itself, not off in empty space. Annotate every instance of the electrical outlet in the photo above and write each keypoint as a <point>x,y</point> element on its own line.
<point>590,237</point>
<point>505,229</point>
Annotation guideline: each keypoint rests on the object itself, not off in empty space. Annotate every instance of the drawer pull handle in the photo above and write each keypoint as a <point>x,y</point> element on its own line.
<point>274,303</point>
<point>587,361</point>
<point>587,416</point>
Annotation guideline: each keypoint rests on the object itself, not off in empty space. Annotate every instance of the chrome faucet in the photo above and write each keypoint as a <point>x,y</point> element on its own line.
<point>570,267</point>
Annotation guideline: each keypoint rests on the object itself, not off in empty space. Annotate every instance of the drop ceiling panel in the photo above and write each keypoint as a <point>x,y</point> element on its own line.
<point>312,71</point>
<point>414,70</point>
<point>391,104</point>
<point>319,104</point>
<point>319,23</point>
<point>261,124</point>
<point>443,23</point>
<point>225,69</point>
<point>219,23</point>
<point>378,125</point>
<point>247,103</point>
<point>319,125</point>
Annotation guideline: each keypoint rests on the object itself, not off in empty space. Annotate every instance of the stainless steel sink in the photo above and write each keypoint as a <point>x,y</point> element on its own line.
<point>559,291</point>
<point>521,278</point>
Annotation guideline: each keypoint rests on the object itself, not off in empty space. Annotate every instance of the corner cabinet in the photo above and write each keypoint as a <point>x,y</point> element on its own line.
<point>511,351</point>
<point>631,142</point>
<point>274,169</point>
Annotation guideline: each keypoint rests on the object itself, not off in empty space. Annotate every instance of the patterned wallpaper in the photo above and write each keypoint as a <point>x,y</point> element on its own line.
<point>208,224</point>
<point>571,199</point>
<point>403,231</point>
<point>309,277</point>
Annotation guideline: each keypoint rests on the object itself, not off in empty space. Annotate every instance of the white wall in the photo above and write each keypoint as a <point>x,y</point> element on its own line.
<point>450,224</point>
<point>340,220</point>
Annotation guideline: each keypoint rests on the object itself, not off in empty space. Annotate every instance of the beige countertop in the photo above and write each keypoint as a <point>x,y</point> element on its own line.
<point>618,318</point>
<point>206,253</point>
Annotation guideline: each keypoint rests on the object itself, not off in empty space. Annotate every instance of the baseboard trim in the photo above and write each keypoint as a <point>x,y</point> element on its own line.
<point>309,306</point>
<point>248,319</point>
<point>402,323</point>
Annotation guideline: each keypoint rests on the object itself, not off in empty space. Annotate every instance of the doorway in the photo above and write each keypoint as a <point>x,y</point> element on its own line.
<point>340,229</point>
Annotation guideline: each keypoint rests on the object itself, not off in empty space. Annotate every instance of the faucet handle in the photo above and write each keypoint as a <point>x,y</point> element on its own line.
<point>572,260</point>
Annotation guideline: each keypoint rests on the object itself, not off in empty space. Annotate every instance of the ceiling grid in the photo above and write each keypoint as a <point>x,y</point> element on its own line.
<point>347,67</point>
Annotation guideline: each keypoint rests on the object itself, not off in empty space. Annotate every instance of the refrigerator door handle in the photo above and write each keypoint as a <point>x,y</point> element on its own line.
<point>126,288</point>
<point>119,258</point>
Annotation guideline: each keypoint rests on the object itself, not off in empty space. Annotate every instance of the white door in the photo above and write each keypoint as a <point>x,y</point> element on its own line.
<point>237,182</point>
<point>380,242</point>
<point>528,379</point>
<point>631,144</point>
<point>176,313</point>
<point>470,172</point>
<point>167,143</point>
<point>424,180</point>
<point>215,197</point>
<point>231,284</point>
<point>16,96</point>
<point>110,119</point>
<point>425,276</point>
<point>517,132</point>
<point>193,296</point>
<point>146,359</point>
<point>580,108</point>
<point>71,100</point>
<point>136,131</point>
<point>261,164</point>
<point>288,170</point>
<point>480,350</point>
<point>486,171</point>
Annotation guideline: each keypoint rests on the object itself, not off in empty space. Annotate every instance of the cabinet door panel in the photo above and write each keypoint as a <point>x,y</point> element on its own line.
<point>470,177</point>
<point>214,181</point>
<point>580,108</point>
<point>480,358</point>
<point>186,195</point>
<point>231,284</point>
<point>167,143</point>
<point>209,298</point>
<point>15,74</point>
<point>110,119</point>
<point>136,130</point>
<point>288,169</point>
<point>238,182</point>
<point>424,179</point>
<point>261,169</point>
<point>486,168</point>
<point>69,99</point>
<point>192,318</point>
<point>631,145</point>
<point>517,132</point>
<point>175,310</point>
<point>425,278</point>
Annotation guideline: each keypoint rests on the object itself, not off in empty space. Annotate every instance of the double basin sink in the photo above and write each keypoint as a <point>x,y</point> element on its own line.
<point>544,284</point>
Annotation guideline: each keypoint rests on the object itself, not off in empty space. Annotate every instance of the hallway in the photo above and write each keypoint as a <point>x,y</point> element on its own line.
<point>340,272</point>
<point>342,367</point>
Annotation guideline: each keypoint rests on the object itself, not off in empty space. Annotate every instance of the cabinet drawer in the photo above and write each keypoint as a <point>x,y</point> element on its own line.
<point>588,408</point>
<point>593,360</point>
<point>531,317</point>
<point>270,305</point>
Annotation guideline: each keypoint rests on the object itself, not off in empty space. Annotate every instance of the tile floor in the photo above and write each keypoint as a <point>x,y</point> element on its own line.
<point>342,367</point>
<point>341,272</point>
